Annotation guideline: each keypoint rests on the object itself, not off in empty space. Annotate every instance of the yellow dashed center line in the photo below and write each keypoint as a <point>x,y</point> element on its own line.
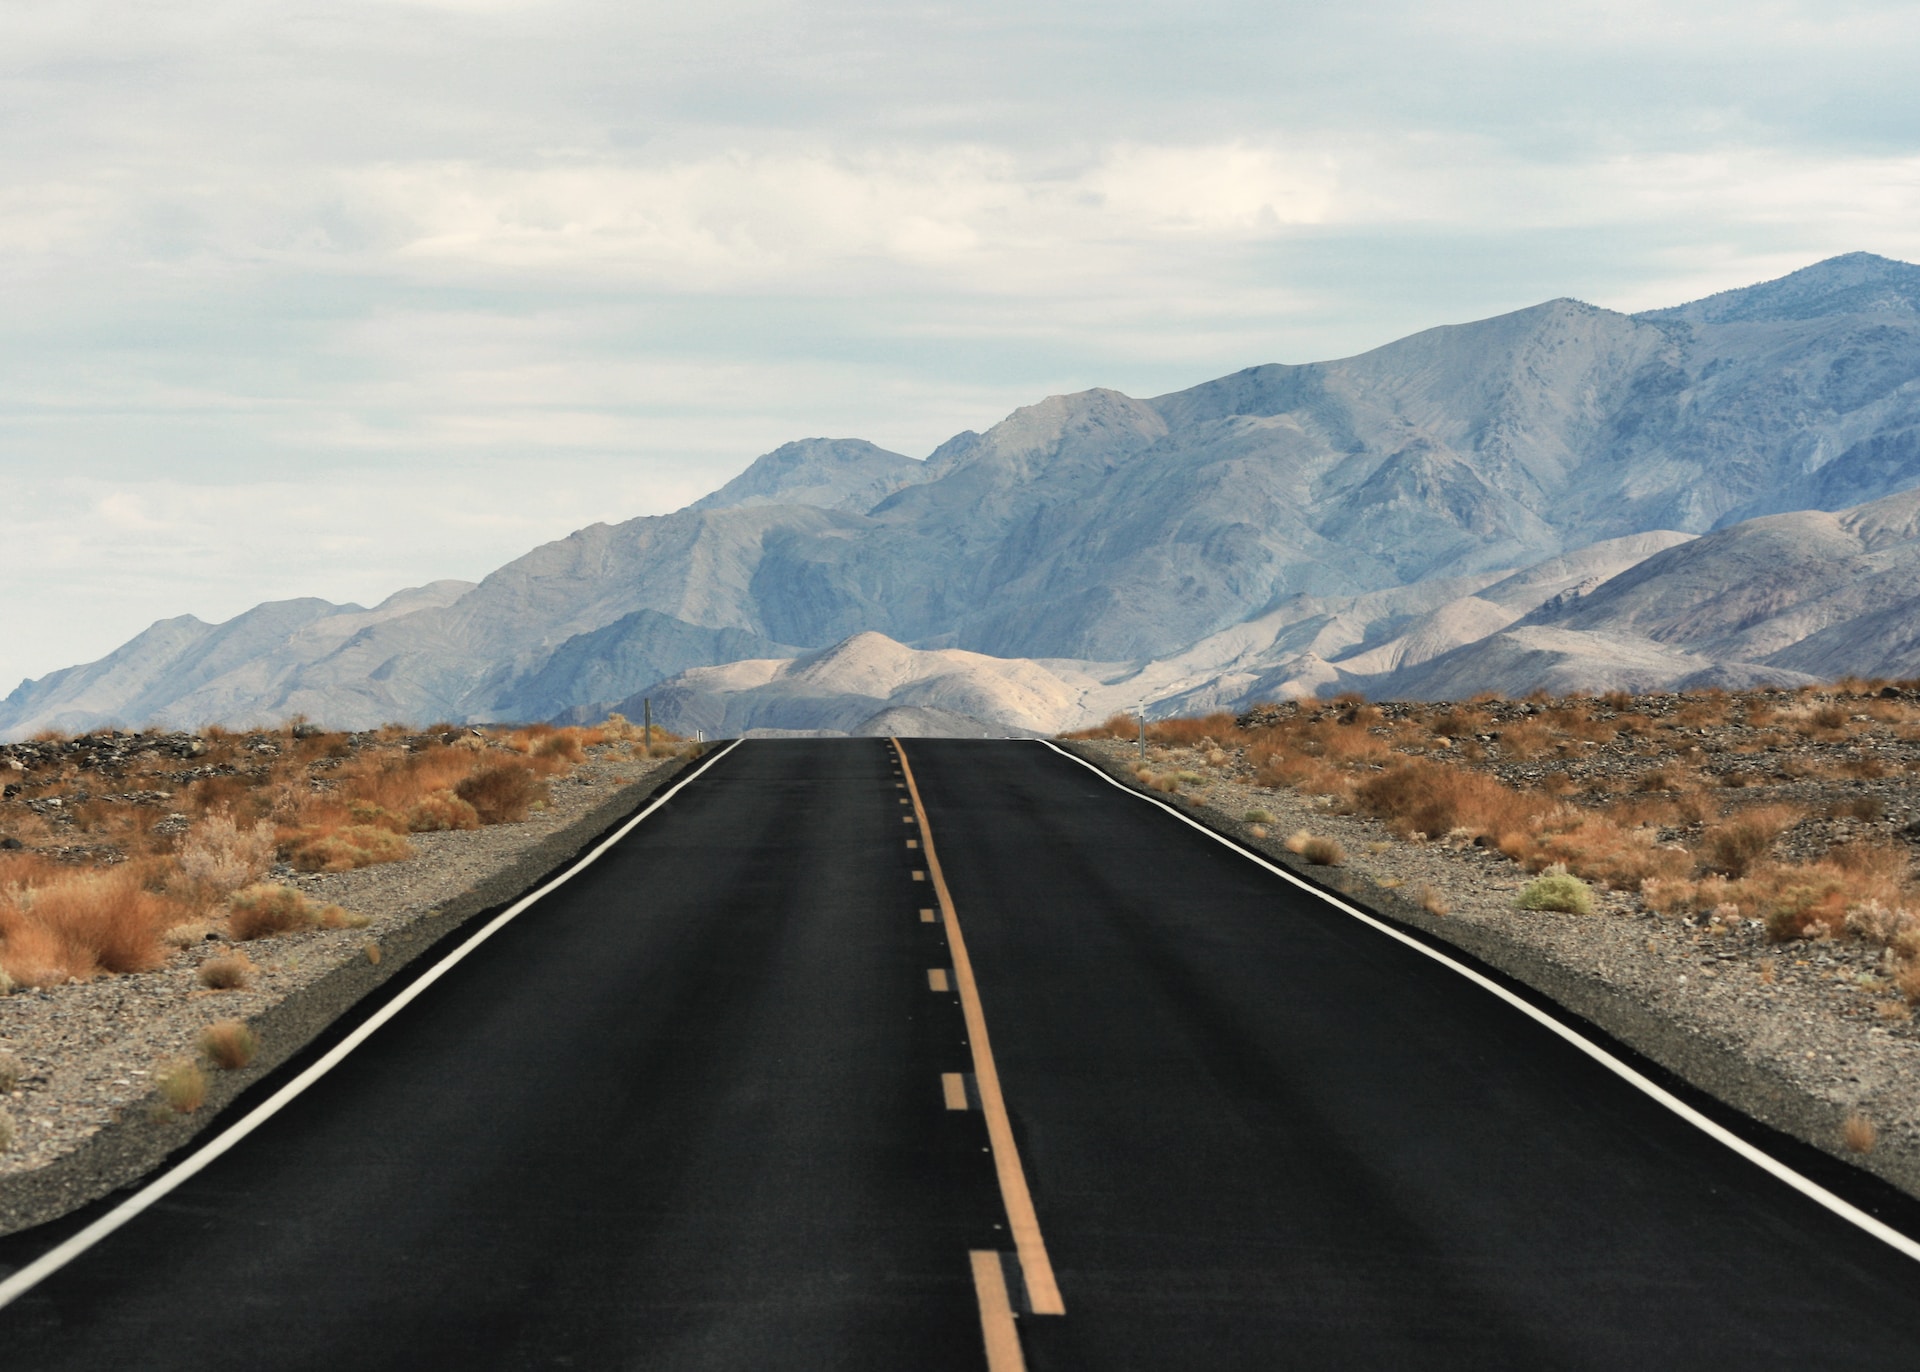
<point>953,1088</point>
<point>1043,1292</point>
<point>996,1314</point>
<point>926,917</point>
<point>937,979</point>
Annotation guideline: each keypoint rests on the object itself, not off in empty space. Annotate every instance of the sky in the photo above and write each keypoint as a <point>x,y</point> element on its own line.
<point>338,297</point>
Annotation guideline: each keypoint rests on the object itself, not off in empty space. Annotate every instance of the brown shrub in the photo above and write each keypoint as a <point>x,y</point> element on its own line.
<point>81,923</point>
<point>1868,808</point>
<point>1322,852</point>
<point>345,848</point>
<point>230,1044</point>
<point>565,745</point>
<point>1808,902</point>
<point>263,910</point>
<point>1859,1133</point>
<point>233,973</point>
<point>217,795</point>
<point>1598,849</point>
<point>218,857</point>
<point>1828,717</point>
<point>1419,796</point>
<point>366,814</point>
<point>183,1086</point>
<point>1184,733</point>
<point>1527,739</point>
<point>1736,845</point>
<point>1667,778</point>
<point>502,793</point>
<point>441,810</point>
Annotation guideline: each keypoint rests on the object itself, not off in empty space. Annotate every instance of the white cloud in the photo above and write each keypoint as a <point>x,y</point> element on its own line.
<point>333,298</point>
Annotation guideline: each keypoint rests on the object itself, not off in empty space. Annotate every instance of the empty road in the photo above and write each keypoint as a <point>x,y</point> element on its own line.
<point>829,1060</point>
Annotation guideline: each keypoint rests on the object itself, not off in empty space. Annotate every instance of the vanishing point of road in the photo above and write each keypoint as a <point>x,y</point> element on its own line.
<point>960,1056</point>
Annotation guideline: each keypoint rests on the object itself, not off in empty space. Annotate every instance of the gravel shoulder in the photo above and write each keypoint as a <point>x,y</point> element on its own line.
<point>1785,1033</point>
<point>86,1114</point>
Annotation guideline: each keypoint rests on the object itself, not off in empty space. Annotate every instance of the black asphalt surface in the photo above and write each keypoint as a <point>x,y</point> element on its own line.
<point>686,1113</point>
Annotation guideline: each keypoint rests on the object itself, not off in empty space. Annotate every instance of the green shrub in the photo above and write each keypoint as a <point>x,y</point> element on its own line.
<point>1557,889</point>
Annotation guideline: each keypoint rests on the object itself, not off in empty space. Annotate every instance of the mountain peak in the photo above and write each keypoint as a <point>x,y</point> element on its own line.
<point>847,474</point>
<point>1854,283</point>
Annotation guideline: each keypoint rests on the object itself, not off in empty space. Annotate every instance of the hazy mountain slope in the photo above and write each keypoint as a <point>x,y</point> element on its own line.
<point>1788,598</point>
<point>848,474</point>
<point>624,658</point>
<point>1372,642</point>
<point>1104,528</point>
<point>858,682</point>
<point>185,672</point>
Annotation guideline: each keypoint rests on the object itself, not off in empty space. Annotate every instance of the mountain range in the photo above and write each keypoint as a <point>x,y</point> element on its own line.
<point>1562,496</point>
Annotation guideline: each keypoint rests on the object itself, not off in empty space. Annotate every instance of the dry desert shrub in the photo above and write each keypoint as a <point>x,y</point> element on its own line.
<point>1530,738</point>
<point>1734,846</point>
<point>366,814</point>
<point>1906,980</point>
<point>218,857</point>
<point>1859,1133</point>
<point>1319,850</point>
<point>1432,901</point>
<point>1556,889</point>
<point>1671,778</point>
<point>1600,849</point>
<point>229,1044</point>
<point>267,909</point>
<point>231,973</point>
<point>345,848</point>
<point>565,745</point>
<point>6,1131</point>
<point>1184,733</point>
<point>502,793</point>
<point>1419,796</point>
<point>1809,900</point>
<point>82,923</point>
<point>1461,721</point>
<point>12,1073</point>
<point>438,811</point>
<point>183,1086</point>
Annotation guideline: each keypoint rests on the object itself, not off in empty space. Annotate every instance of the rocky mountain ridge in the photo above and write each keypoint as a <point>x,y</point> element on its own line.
<point>1285,528</point>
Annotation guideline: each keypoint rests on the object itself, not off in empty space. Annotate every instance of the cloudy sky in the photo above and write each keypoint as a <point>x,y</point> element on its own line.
<point>336,297</point>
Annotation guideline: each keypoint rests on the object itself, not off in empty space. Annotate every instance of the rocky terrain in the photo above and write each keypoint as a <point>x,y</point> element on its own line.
<point>1389,518</point>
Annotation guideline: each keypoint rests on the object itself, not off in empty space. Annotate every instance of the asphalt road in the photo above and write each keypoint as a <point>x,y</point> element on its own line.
<point>688,1112</point>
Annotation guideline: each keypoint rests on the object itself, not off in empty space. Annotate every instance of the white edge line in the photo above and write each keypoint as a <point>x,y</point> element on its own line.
<point>61,1254</point>
<point>1806,1186</point>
